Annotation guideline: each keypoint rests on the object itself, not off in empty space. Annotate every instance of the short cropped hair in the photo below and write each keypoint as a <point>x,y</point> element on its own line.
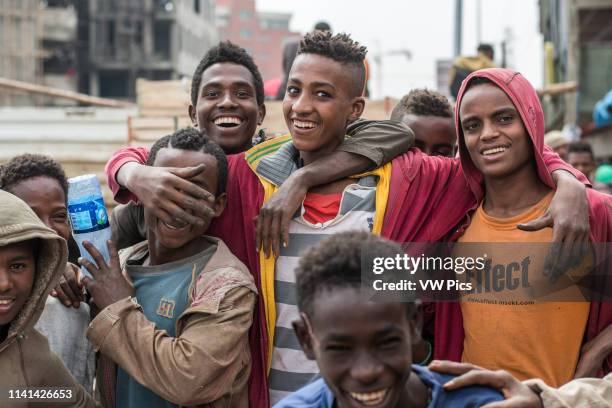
<point>340,48</point>
<point>485,48</point>
<point>422,102</point>
<point>581,147</point>
<point>193,140</point>
<point>27,166</point>
<point>227,52</point>
<point>335,262</point>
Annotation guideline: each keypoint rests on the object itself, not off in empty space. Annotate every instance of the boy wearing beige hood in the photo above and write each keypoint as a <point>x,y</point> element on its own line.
<point>32,259</point>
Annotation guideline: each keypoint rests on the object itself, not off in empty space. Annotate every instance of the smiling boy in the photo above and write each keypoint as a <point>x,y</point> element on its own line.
<point>179,333</point>
<point>32,259</point>
<point>363,348</point>
<point>41,182</point>
<point>501,137</point>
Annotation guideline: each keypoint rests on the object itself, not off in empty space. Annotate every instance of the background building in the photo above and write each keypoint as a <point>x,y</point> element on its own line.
<point>153,39</point>
<point>100,47</point>
<point>578,47</point>
<point>262,34</point>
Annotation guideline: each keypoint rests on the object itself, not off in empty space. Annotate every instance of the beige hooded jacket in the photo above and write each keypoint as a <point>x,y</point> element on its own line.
<point>25,358</point>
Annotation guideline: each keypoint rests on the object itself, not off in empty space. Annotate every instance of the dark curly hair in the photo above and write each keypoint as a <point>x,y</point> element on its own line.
<point>227,52</point>
<point>27,166</point>
<point>340,48</point>
<point>422,102</point>
<point>336,262</point>
<point>194,140</point>
<point>581,147</point>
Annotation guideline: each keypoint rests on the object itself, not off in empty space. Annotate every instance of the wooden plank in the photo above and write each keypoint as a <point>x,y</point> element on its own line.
<point>14,85</point>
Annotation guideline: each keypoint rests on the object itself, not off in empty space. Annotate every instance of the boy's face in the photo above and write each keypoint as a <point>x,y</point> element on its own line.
<point>46,197</point>
<point>434,135</point>
<point>494,133</point>
<point>227,106</point>
<point>363,349</point>
<point>582,161</point>
<point>180,233</point>
<point>318,104</point>
<point>17,270</point>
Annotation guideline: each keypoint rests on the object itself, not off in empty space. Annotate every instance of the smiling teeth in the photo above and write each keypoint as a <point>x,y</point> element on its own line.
<point>306,125</point>
<point>232,120</point>
<point>370,398</point>
<point>174,227</point>
<point>493,151</point>
<point>6,301</point>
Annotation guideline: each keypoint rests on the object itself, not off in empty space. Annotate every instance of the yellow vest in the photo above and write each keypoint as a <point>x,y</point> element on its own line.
<point>267,265</point>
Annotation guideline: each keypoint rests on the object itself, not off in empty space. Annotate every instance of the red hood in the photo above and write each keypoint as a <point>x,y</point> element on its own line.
<point>526,102</point>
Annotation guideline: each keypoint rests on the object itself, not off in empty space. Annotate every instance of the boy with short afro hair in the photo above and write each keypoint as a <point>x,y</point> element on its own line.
<point>226,51</point>
<point>178,335</point>
<point>430,116</point>
<point>363,348</point>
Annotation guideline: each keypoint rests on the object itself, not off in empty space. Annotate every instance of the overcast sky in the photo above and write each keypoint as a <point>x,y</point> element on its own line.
<point>426,29</point>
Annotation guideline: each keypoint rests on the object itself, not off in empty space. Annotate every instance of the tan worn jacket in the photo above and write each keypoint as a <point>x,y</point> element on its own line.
<point>580,393</point>
<point>208,363</point>
<point>26,360</point>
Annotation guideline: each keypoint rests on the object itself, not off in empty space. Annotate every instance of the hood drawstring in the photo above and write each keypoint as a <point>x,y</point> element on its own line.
<point>20,337</point>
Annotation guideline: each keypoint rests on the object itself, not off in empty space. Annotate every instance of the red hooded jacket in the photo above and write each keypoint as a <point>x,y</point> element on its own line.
<point>448,332</point>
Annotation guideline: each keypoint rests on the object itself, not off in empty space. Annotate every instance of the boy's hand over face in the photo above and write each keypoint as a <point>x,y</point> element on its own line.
<point>568,215</point>
<point>169,195</point>
<point>517,394</point>
<point>275,215</point>
<point>69,291</point>
<point>108,284</point>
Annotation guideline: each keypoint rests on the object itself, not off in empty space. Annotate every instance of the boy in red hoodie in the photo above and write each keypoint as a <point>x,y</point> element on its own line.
<point>500,125</point>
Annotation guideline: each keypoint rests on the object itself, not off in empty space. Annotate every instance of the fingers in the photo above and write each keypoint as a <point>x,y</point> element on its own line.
<point>73,298</point>
<point>275,233</point>
<point>265,220</point>
<point>114,256</point>
<point>182,183</point>
<point>62,297</point>
<point>496,379</point>
<point>91,268</point>
<point>544,221</point>
<point>95,254</point>
<point>451,367</point>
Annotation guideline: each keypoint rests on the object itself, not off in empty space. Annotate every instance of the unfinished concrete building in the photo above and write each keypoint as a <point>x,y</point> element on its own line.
<point>130,39</point>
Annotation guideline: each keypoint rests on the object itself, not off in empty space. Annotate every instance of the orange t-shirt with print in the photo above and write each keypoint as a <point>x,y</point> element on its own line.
<point>528,339</point>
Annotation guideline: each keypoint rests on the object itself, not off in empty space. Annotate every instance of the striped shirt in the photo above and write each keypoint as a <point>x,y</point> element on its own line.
<point>290,369</point>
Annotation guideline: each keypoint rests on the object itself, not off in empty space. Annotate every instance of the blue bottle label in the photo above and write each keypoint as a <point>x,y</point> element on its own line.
<point>88,216</point>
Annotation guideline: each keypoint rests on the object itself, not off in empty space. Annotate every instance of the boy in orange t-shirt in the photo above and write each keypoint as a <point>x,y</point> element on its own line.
<point>506,324</point>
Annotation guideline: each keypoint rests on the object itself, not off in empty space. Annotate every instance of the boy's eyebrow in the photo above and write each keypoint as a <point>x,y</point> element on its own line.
<point>235,83</point>
<point>20,258</point>
<point>321,83</point>
<point>314,84</point>
<point>503,109</point>
<point>380,333</point>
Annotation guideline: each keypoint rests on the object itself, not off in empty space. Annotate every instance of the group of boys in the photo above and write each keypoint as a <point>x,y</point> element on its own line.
<point>238,279</point>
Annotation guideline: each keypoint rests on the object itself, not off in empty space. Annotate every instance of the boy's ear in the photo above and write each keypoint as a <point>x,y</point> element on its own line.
<point>357,107</point>
<point>192,114</point>
<point>261,115</point>
<point>219,205</point>
<point>303,336</point>
<point>416,322</point>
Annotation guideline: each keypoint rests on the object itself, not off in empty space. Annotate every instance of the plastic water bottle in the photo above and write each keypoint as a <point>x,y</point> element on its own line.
<point>88,216</point>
